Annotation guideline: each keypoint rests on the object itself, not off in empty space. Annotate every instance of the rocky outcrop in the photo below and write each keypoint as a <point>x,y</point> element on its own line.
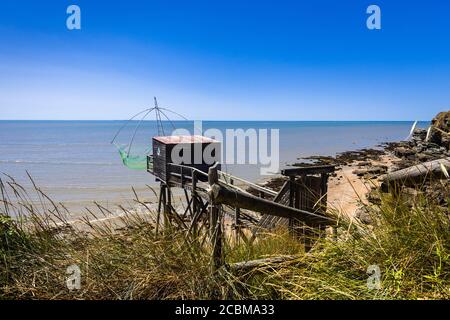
<point>440,130</point>
<point>424,146</point>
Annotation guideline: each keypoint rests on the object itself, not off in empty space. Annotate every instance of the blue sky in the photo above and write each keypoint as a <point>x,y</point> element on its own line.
<point>225,60</point>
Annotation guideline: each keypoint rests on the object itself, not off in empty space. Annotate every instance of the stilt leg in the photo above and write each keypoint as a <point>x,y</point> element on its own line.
<point>160,198</point>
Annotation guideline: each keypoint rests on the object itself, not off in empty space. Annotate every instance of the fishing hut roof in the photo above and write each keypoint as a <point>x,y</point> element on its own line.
<point>184,139</point>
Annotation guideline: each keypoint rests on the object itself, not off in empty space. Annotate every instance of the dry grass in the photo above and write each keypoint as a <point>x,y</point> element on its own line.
<point>409,241</point>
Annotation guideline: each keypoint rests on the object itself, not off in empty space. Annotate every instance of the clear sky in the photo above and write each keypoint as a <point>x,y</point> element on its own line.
<point>225,60</point>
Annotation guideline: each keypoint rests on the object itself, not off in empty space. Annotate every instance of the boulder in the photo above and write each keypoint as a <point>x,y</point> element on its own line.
<point>440,130</point>
<point>363,215</point>
<point>403,152</point>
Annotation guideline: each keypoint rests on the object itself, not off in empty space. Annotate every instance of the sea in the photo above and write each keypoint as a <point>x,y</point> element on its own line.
<point>75,163</point>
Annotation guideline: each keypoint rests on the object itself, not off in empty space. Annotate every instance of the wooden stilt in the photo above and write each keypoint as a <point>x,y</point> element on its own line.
<point>195,206</point>
<point>169,200</point>
<point>158,216</point>
<point>165,207</point>
<point>189,202</point>
<point>215,222</point>
<point>216,235</point>
<point>237,224</point>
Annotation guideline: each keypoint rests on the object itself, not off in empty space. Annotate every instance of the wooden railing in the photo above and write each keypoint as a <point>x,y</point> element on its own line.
<point>184,173</point>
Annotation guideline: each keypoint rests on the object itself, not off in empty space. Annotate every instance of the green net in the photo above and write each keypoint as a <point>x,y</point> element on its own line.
<point>138,160</point>
<point>135,162</point>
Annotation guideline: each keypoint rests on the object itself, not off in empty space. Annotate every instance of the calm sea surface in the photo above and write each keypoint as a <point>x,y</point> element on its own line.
<point>75,162</point>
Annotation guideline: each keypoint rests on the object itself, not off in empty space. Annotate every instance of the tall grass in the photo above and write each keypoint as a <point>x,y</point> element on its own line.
<point>409,241</point>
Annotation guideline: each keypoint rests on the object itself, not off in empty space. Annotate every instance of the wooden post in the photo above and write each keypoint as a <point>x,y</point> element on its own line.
<point>194,191</point>
<point>215,221</point>
<point>291,191</point>
<point>292,199</point>
<point>324,188</point>
<point>216,228</point>
<point>163,196</point>
<point>195,206</point>
<point>213,175</point>
<point>325,178</point>
<point>324,193</point>
<point>237,223</point>
<point>237,216</point>
<point>166,196</point>
<point>169,200</point>
<point>188,204</point>
<point>158,216</point>
<point>181,177</point>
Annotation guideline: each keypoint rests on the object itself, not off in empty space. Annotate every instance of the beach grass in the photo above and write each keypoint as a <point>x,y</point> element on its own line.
<point>408,241</point>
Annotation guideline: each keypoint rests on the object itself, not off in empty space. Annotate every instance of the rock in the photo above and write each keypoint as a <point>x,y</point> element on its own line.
<point>422,157</point>
<point>440,130</point>
<point>372,170</point>
<point>403,152</point>
<point>410,191</point>
<point>420,134</point>
<point>363,215</point>
<point>374,197</point>
<point>359,172</point>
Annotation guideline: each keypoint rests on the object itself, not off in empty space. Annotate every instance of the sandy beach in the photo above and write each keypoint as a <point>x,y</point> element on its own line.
<point>347,190</point>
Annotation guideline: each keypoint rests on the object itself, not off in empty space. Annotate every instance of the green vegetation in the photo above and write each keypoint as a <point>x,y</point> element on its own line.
<point>409,240</point>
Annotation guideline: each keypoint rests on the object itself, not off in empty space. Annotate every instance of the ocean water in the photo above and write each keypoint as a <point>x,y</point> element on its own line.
<point>74,161</point>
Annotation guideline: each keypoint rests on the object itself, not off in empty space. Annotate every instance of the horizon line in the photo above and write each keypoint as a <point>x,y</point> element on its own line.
<point>212,120</point>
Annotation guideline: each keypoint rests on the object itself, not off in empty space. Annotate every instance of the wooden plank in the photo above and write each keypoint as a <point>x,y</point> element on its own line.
<point>251,184</point>
<point>308,170</point>
<point>268,220</point>
<point>223,194</point>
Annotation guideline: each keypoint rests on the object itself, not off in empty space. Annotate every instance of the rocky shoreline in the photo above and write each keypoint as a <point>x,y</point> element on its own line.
<point>359,173</point>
